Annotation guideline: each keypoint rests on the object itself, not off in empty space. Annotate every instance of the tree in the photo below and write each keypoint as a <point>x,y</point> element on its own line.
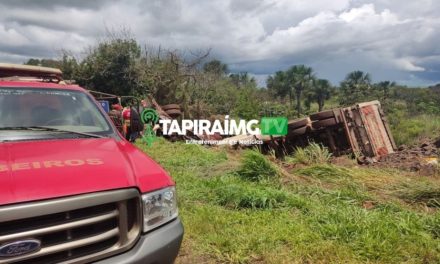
<point>242,79</point>
<point>355,88</point>
<point>215,67</point>
<point>112,67</point>
<point>68,65</point>
<point>278,85</point>
<point>320,92</point>
<point>52,63</point>
<point>300,77</point>
<point>118,65</point>
<point>384,89</point>
<point>247,106</point>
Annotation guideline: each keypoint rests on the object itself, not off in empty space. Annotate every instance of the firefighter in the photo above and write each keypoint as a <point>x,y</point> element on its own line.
<point>126,114</point>
<point>116,117</point>
<point>132,123</point>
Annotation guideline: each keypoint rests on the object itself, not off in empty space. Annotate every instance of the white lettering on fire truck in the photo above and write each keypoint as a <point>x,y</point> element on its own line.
<point>49,164</point>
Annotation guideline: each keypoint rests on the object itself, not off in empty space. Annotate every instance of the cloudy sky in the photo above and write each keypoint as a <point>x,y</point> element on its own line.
<point>391,39</point>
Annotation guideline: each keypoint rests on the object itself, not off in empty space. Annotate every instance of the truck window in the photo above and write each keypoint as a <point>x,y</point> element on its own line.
<point>61,109</point>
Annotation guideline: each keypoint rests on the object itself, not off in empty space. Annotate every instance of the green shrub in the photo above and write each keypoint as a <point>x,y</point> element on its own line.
<point>256,167</point>
<point>312,154</point>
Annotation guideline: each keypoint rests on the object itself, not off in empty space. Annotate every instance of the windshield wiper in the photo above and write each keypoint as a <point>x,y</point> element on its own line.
<point>67,131</point>
<point>15,128</point>
<point>43,128</point>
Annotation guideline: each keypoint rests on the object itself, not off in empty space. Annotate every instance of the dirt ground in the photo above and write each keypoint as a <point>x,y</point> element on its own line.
<point>423,158</point>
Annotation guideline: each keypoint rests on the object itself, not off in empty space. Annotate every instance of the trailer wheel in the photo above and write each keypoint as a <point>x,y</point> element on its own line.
<point>322,115</point>
<point>324,123</point>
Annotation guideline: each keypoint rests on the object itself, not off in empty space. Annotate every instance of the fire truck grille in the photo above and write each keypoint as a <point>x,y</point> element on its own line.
<point>77,229</point>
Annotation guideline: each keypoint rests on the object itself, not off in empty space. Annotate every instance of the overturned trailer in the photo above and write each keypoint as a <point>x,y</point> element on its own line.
<point>361,129</point>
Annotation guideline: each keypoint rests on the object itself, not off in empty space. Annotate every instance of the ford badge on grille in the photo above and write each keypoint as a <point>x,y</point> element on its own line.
<point>18,248</point>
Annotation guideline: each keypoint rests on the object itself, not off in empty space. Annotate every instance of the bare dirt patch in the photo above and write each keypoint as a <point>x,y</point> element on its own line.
<point>423,158</point>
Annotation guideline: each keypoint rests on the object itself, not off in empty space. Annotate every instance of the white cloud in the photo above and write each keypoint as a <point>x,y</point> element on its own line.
<point>10,35</point>
<point>385,37</point>
<point>406,65</point>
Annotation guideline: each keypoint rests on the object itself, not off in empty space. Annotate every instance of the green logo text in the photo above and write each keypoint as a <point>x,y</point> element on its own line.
<point>273,126</point>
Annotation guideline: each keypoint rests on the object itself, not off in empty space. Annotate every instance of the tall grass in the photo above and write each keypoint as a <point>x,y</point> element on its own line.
<point>420,193</point>
<point>409,130</point>
<point>312,154</point>
<point>325,171</point>
<point>256,167</point>
<point>432,225</point>
<point>245,196</point>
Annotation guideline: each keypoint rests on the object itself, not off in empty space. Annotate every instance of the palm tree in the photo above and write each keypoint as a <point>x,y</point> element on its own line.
<point>384,89</point>
<point>355,87</point>
<point>242,79</point>
<point>300,78</point>
<point>279,85</point>
<point>320,92</point>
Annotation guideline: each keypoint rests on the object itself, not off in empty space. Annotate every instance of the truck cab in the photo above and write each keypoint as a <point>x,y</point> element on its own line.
<point>72,189</point>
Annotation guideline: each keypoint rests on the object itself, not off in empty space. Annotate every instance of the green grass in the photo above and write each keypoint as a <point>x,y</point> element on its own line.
<point>312,154</point>
<point>256,167</point>
<point>422,192</point>
<point>325,171</point>
<point>236,193</point>
<point>409,130</point>
<point>316,216</point>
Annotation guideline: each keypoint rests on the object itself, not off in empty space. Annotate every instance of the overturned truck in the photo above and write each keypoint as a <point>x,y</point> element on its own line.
<point>361,129</point>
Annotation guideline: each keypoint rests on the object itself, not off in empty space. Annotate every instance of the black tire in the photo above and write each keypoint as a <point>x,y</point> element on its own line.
<point>322,115</point>
<point>325,123</point>
<point>294,124</point>
<point>170,106</point>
